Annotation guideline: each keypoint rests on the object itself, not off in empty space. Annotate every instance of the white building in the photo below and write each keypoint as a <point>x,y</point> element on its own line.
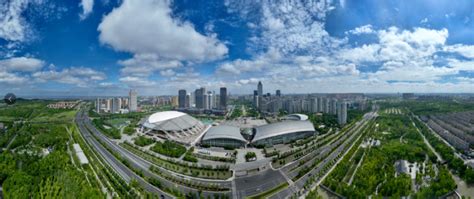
<point>133,101</point>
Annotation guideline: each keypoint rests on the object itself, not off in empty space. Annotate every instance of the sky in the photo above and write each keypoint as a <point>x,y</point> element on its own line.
<point>106,47</point>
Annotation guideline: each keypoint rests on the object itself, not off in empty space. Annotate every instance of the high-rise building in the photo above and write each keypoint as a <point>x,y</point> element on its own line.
<point>325,103</point>
<point>206,100</point>
<point>333,107</point>
<point>125,103</point>
<point>182,98</point>
<point>320,104</point>
<point>116,104</point>
<point>192,99</point>
<point>133,106</point>
<point>260,94</point>
<point>200,97</point>
<point>314,105</point>
<point>98,102</point>
<point>187,102</point>
<point>108,105</point>
<point>174,101</point>
<point>223,98</point>
<point>278,93</point>
<point>342,113</point>
<point>255,98</point>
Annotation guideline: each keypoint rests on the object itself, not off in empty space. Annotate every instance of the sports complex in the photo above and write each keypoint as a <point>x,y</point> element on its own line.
<point>183,128</point>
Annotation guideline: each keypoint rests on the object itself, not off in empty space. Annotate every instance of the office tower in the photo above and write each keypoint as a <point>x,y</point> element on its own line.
<point>192,99</point>
<point>223,98</point>
<point>182,98</point>
<point>278,93</point>
<point>187,102</point>
<point>214,100</point>
<point>260,94</point>
<point>206,101</point>
<point>333,107</point>
<point>342,113</point>
<point>133,106</point>
<point>200,93</point>
<point>255,98</point>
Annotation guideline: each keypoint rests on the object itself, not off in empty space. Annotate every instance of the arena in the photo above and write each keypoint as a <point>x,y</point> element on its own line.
<point>282,132</point>
<point>224,136</point>
<point>173,125</point>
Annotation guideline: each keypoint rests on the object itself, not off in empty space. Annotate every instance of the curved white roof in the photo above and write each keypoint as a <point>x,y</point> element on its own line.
<point>163,116</point>
<point>297,115</point>
<point>171,121</point>
<point>224,132</point>
<point>281,128</point>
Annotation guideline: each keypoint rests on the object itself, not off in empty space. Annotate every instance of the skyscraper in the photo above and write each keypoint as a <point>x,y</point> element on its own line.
<point>133,100</point>
<point>278,93</point>
<point>182,98</point>
<point>342,113</point>
<point>207,100</point>
<point>260,94</point>
<point>223,98</point>
<point>255,98</point>
<point>198,98</point>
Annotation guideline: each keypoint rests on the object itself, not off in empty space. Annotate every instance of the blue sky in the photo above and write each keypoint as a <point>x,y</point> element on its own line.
<point>105,47</point>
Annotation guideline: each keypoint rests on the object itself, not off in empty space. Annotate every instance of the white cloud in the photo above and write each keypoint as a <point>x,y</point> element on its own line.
<point>464,50</point>
<point>13,27</point>
<point>146,64</point>
<point>366,29</point>
<point>423,21</point>
<point>87,6</point>
<point>167,73</point>
<point>80,76</point>
<point>12,78</point>
<point>134,82</point>
<point>21,64</point>
<point>147,27</point>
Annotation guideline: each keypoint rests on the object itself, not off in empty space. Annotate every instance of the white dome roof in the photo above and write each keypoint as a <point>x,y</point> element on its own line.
<point>163,116</point>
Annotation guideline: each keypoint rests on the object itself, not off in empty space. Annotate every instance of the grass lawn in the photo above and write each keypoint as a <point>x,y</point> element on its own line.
<point>118,122</point>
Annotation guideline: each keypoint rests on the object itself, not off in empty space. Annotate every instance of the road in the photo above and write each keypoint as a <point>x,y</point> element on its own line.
<point>143,165</point>
<point>125,173</point>
<point>353,135</point>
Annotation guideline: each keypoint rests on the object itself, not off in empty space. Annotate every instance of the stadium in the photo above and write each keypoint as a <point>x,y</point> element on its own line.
<point>172,125</point>
<point>296,117</point>
<point>224,136</point>
<point>282,132</point>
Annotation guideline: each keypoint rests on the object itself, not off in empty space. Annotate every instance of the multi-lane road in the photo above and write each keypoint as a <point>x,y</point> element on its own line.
<point>143,165</point>
<point>326,156</point>
<point>124,172</point>
<point>241,186</point>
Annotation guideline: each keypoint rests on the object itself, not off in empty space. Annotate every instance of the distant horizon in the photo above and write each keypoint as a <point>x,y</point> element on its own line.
<point>31,97</point>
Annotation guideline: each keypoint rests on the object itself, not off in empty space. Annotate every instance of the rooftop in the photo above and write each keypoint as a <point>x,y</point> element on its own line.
<point>281,128</point>
<point>224,132</point>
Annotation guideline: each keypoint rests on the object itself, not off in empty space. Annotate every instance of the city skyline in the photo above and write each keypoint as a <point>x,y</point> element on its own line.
<point>91,48</point>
